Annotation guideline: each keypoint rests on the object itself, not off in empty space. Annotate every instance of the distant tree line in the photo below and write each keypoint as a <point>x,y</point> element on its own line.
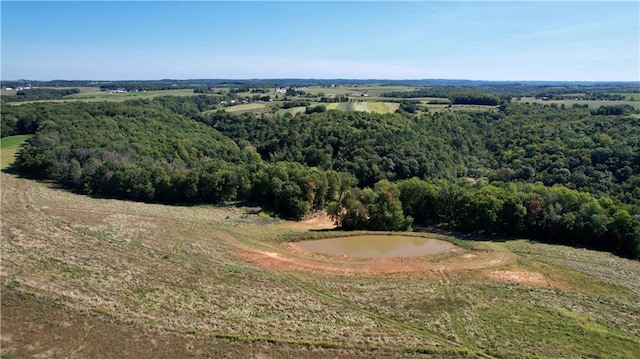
<point>596,151</point>
<point>144,86</point>
<point>552,214</point>
<point>339,98</point>
<point>295,103</point>
<point>39,94</point>
<point>54,83</point>
<point>457,95</point>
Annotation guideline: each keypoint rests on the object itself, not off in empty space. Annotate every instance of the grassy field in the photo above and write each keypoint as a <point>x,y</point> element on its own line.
<point>9,147</point>
<point>445,108</point>
<point>293,110</point>
<point>87,277</point>
<point>93,94</point>
<point>4,92</point>
<point>373,106</point>
<point>247,107</point>
<point>635,96</point>
<point>372,90</point>
<point>591,103</point>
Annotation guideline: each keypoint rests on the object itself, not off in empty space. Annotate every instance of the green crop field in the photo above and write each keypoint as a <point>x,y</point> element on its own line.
<point>85,276</point>
<point>9,146</point>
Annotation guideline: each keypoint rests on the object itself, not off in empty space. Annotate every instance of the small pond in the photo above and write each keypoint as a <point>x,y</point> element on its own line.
<point>377,246</point>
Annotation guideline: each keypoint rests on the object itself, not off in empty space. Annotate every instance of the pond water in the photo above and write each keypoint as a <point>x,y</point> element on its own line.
<point>377,246</point>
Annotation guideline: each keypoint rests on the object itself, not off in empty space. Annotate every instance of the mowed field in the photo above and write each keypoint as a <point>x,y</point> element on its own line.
<point>247,107</point>
<point>9,147</point>
<point>364,106</point>
<point>90,277</point>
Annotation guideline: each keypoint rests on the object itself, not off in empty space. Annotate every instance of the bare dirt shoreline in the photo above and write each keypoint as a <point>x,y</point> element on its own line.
<point>288,257</point>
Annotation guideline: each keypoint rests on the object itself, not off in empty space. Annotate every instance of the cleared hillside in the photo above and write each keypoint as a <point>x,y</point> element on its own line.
<point>82,276</point>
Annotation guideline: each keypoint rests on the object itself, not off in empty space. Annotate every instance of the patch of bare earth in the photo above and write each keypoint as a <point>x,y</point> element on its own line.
<point>291,257</point>
<point>320,221</point>
<point>522,277</point>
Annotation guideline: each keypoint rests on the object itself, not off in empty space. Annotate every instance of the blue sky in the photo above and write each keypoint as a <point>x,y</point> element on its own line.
<point>478,40</point>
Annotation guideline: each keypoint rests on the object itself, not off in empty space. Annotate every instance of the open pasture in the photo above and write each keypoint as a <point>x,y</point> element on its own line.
<point>445,108</point>
<point>293,110</point>
<point>364,106</point>
<point>632,96</point>
<point>86,276</point>
<point>593,104</point>
<point>9,148</point>
<point>4,92</point>
<point>246,107</point>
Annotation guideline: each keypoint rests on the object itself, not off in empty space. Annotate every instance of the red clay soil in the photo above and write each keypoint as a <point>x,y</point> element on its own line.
<point>290,257</point>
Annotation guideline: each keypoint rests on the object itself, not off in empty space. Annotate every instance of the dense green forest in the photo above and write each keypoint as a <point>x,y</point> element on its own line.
<point>587,150</point>
<point>567,175</point>
<point>144,151</point>
<point>457,95</point>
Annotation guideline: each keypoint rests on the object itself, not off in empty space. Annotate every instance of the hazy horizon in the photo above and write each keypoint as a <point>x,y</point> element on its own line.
<point>478,41</point>
<point>265,79</point>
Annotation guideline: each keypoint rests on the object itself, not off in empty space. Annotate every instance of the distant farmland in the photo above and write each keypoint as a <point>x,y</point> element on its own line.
<point>247,107</point>
<point>375,107</point>
<point>631,96</point>
<point>93,94</point>
<point>591,103</point>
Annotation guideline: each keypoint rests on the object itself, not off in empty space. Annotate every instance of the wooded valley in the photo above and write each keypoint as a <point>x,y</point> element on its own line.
<point>553,173</point>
